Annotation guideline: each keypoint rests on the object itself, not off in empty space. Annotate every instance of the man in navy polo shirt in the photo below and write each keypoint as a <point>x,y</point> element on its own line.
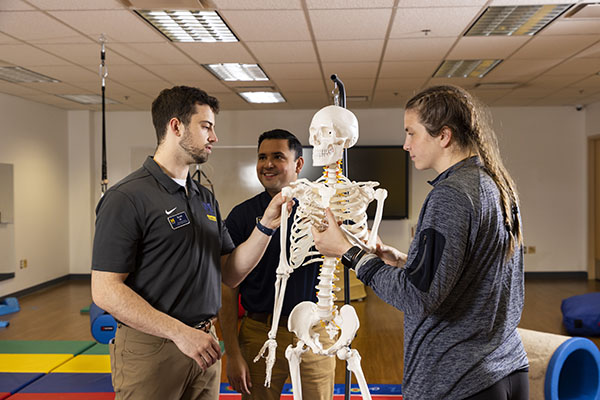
<point>278,164</point>
<point>160,252</point>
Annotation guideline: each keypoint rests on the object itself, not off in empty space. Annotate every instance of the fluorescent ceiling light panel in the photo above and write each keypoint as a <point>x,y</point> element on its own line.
<point>87,98</point>
<point>22,75</point>
<point>237,72</point>
<point>189,26</point>
<point>515,20</point>
<point>465,68</point>
<point>262,97</point>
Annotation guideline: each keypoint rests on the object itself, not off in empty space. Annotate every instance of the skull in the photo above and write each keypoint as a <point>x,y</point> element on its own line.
<point>332,130</point>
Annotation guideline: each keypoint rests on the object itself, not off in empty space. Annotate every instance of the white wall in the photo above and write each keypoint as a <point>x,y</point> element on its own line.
<point>34,139</point>
<point>543,147</point>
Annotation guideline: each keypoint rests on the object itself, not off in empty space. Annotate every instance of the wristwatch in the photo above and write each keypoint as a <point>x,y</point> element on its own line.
<point>264,229</point>
<point>351,257</point>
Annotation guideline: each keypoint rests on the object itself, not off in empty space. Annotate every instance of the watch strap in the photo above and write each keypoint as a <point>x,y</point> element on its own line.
<point>264,229</point>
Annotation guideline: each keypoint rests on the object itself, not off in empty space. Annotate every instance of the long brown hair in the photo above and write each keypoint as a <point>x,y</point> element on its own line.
<point>455,108</point>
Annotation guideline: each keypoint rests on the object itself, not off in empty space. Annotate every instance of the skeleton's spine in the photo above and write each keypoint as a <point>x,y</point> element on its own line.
<point>325,303</point>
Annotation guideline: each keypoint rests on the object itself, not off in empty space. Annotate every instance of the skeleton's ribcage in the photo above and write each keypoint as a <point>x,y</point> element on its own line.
<point>349,204</point>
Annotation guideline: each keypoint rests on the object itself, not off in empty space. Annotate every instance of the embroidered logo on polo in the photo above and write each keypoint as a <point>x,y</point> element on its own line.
<point>178,220</point>
<point>210,211</point>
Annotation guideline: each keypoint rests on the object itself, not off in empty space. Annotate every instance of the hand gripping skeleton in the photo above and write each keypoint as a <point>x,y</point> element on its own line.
<point>332,129</point>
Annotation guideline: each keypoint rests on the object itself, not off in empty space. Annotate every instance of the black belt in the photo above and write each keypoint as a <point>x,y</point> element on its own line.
<point>266,318</point>
<point>206,324</point>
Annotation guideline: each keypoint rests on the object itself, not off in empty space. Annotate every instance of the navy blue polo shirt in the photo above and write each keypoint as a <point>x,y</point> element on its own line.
<point>258,289</point>
<point>169,243</point>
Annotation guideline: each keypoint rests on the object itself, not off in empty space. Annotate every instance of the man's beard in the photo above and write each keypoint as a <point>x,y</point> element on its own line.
<point>199,155</point>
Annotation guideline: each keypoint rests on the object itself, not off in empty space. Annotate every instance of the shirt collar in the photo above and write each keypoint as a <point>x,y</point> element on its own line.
<point>473,160</point>
<point>165,180</point>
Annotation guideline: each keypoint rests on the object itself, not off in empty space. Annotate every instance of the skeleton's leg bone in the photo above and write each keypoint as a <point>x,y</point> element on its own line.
<point>294,356</point>
<point>352,358</point>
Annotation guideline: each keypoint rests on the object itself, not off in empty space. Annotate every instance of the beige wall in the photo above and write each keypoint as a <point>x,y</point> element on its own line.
<point>57,162</point>
<point>34,139</point>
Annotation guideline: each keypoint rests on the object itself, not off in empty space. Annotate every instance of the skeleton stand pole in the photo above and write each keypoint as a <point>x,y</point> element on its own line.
<point>339,99</point>
<point>103,74</point>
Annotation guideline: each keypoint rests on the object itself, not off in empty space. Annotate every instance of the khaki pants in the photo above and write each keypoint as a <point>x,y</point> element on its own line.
<point>148,367</point>
<point>317,372</point>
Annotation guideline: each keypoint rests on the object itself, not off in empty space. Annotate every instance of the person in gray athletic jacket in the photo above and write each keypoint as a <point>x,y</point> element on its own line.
<point>461,285</point>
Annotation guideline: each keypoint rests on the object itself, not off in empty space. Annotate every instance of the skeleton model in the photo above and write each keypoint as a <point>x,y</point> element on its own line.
<point>332,129</point>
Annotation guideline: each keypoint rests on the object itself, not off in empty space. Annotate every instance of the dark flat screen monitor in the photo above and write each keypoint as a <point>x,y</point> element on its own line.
<point>387,165</point>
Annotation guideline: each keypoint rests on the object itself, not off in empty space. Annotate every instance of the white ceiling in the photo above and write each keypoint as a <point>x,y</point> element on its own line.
<point>377,47</point>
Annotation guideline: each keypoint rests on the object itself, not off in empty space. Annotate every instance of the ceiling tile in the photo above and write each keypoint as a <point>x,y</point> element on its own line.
<point>586,66</point>
<point>211,86</point>
<point>17,89</point>
<point>15,5</point>
<point>54,88</point>
<point>264,25</point>
<point>572,27</point>
<point>181,73</point>
<point>424,49</point>
<point>77,4</point>
<point>399,85</point>
<point>590,52</point>
<point>258,4</point>
<point>486,47</point>
<point>126,73</point>
<point>351,70</point>
<point>346,4</point>
<point>124,25</point>
<point>150,53</point>
<point>350,50</point>
<point>296,70</point>
<point>87,55</point>
<point>392,99</point>
<point>519,70</point>
<point>210,53</point>
<point>69,73</point>
<point>408,69</point>
<point>441,22</point>
<point>47,29</point>
<point>360,24</point>
<point>467,83</point>
<point>27,56</point>
<point>4,39</point>
<point>555,81</point>
<point>356,86</point>
<point>441,3</point>
<point>488,96</point>
<point>283,52</point>
<point>301,85</point>
<point>554,46</point>
<point>151,88</point>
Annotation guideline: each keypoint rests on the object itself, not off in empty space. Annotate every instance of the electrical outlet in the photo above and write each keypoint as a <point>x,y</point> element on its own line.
<point>530,249</point>
<point>23,263</point>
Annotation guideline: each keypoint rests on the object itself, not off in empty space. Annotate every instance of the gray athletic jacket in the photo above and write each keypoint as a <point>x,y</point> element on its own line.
<point>461,298</point>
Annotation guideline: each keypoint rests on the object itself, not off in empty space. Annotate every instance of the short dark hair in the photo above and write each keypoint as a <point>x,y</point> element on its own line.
<point>178,102</point>
<point>293,142</point>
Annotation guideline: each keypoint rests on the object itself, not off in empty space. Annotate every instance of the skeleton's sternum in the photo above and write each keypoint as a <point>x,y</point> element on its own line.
<point>325,305</point>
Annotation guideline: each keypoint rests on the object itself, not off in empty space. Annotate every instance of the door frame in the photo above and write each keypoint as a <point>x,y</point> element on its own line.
<point>591,219</point>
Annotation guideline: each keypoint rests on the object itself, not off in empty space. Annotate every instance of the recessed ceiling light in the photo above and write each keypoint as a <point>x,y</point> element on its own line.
<point>87,98</point>
<point>262,97</point>
<point>515,20</point>
<point>23,75</point>
<point>465,68</point>
<point>237,72</point>
<point>189,26</point>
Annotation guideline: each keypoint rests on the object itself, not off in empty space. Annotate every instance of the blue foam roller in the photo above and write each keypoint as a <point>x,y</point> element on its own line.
<point>573,372</point>
<point>103,325</point>
<point>9,305</point>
